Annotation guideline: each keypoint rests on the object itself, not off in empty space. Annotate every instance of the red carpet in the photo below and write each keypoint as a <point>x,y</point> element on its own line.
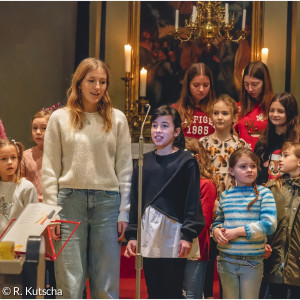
<point>127,278</point>
<point>128,282</point>
<point>216,288</point>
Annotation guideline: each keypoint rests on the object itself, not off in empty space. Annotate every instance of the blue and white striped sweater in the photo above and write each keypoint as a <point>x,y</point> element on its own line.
<point>259,222</point>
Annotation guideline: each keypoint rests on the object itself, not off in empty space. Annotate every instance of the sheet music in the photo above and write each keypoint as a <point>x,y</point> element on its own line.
<point>32,221</point>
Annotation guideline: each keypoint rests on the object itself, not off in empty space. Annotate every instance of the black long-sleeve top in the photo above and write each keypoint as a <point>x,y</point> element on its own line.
<point>171,184</point>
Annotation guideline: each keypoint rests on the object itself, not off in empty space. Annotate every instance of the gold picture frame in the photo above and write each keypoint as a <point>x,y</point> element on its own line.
<point>135,112</point>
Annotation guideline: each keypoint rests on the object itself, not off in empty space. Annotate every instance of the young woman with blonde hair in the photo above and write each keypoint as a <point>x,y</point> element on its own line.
<point>87,169</point>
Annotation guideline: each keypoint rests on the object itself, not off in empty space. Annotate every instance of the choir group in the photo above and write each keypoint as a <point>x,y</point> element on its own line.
<point>222,184</point>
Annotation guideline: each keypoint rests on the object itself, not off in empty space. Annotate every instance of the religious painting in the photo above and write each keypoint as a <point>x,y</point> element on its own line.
<point>167,59</point>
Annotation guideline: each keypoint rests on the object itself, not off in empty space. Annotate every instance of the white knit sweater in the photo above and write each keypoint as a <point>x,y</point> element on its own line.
<point>87,158</point>
<point>13,198</point>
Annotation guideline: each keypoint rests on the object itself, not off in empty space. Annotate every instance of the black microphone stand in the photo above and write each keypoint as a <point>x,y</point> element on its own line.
<point>139,257</point>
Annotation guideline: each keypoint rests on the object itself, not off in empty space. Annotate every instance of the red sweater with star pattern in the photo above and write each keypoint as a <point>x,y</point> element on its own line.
<point>251,126</point>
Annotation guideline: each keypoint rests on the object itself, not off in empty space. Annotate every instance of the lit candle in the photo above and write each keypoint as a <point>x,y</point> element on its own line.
<point>194,14</point>
<point>176,19</point>
<point>127,49</point>
<point>244,19</point>
<point>143,82</point>
<point>226,14</point>
<point>264,55</point>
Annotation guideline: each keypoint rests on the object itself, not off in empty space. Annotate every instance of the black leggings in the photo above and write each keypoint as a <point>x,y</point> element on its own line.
<point>281,291</point>
<point>164,277</point>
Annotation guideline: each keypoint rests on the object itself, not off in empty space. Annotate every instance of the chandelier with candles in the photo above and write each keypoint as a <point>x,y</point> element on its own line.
<point>208,21</point>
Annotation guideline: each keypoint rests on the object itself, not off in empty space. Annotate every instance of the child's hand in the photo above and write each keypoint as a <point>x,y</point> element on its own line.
<point>131,248</point>
<point>55,231</point>
<point>231,234</point>
<point>268,251</point>
<point>121,229</point>
<point>184,248</point>
<point>219,236</point>
<point>215,210</point>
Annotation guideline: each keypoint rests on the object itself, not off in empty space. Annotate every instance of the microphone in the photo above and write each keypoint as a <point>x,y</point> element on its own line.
<point>143,124</point>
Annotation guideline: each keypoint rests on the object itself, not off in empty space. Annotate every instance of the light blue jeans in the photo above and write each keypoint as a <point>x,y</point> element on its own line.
<point>194,277</point>
<point>241,279</point>
<point>94,246</point>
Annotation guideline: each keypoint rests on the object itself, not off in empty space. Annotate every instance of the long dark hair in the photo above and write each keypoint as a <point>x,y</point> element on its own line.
<point>292,133</point>
<point>260,71</point>
<point>186,103</point>
<point>166,110</point>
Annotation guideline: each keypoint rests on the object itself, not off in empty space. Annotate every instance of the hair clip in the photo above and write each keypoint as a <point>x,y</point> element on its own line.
<point>14,142</point>
<point>53,107</point>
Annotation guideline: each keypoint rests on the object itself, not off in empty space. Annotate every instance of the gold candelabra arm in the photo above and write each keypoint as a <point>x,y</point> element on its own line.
<point>178,35</point>
<point>241,34</point>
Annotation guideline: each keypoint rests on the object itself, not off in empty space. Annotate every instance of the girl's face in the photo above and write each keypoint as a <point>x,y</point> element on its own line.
<point>223,117</point>
<point>253,86</point>
<point>199,87</point>
<point>289,163</point>
<point>277,114</point>
<point>244,171</point>
<point>38,130</point>
<point>8,163</point>
<point>92,87</point>
<point>163,132</point>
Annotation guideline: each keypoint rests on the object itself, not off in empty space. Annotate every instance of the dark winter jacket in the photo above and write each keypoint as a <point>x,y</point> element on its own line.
<point>283,266</point>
